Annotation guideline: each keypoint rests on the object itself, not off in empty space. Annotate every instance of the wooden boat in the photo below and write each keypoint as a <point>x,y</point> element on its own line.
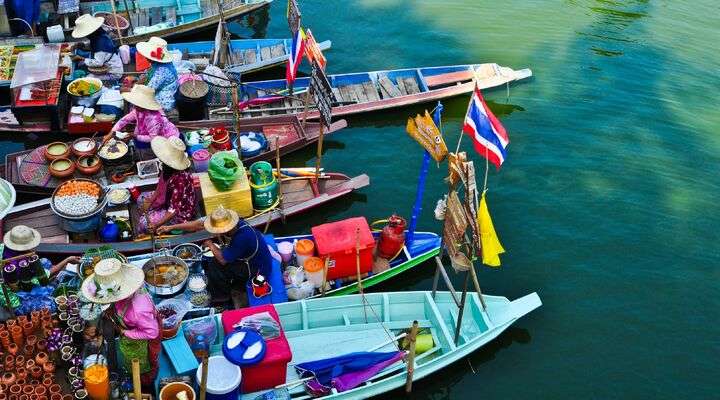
<point>298,195</point>
<point>7,197</point>
<point>28,170</point>
<point>246,55</point>
<point>171,19</point>
<point>424,246</point>
<point>373,323</point>
<point>379,90</point>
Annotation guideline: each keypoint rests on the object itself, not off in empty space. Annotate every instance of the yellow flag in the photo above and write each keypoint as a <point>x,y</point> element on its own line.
<point>491,247</point>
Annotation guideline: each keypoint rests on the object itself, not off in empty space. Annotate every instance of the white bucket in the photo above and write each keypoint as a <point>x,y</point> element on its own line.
<point>286,250</point>
<point>223,379</point>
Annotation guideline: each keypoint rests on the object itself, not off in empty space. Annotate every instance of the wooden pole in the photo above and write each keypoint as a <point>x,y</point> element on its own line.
<point>476,283</point>
<point>117,22</point>
<point>132,28</point>
<point>307,107</point>
<point>137,387</point>
<point>411,357</point>
<point>280,188</point>
<point>236,114</point>
<point>462,309</point>
<point>318,162</point>
<point>203,379</point>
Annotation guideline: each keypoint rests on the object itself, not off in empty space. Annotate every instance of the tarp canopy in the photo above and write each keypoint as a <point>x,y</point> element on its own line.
<point>36,65</point>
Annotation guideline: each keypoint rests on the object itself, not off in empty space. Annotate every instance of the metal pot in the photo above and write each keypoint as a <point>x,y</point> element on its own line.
<point>166,259</point>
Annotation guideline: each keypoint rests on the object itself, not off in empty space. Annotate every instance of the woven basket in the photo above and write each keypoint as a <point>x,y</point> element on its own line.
<point>221,95</point>
<point>101,70</point>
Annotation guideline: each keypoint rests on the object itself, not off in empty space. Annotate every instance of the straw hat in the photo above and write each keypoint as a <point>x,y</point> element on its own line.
<point>22,238</point>
<point>142,96</point>
<point>86,24</point>
<point>155,49</point>
<point>112,281</point>
<point>171,151</point>
<point>221,220</point>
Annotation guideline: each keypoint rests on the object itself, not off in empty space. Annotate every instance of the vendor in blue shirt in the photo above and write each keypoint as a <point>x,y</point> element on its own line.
<point>244,255</point>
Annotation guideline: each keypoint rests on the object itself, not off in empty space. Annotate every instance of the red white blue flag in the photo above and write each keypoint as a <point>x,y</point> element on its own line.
<point>296,53</point>
<point>488,135</point>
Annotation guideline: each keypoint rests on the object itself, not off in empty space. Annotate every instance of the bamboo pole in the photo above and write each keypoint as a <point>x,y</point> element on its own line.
<point>307,107</point>
<point>203,378</point>
<point>318,162</point>
<point>236,119</point>
<point>137,387</point>
<point>280,189</point>
<point>411,357</point>
<point>127,10</point>
<point>462,309</point>
<point>117,22</point>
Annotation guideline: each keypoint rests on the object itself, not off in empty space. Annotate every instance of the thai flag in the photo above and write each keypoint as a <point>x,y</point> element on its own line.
<point>296,53</point>
<point>488,135</point>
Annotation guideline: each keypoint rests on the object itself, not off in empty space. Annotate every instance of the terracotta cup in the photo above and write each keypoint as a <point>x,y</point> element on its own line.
<point>36,372</point>
<point>41,358</point>
<point>49,367</point>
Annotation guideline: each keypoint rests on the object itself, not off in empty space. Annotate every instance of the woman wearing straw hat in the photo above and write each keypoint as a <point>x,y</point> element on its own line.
<point>246,255</point>
<point>103,49</point>
<point>22,239</point>
<point>147,116</point>
<point>162,75</point>
<point>131,311</point>
<point>173,200</point>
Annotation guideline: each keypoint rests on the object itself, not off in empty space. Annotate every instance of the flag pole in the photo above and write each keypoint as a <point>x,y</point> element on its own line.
<point>417,207</point>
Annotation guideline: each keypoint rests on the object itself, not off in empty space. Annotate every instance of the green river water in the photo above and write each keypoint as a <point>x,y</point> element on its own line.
<point>607,203</point>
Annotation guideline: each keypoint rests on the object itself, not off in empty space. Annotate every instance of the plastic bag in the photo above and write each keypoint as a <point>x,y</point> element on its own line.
<point>172,312</point>
<point>263,323</point>
<point>200,335</point>
<point>224,169</point>
<point>301,291</point>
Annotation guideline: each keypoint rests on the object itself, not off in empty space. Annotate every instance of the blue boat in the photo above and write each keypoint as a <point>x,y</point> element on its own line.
<point>377,90</point>
<point>246,55</point>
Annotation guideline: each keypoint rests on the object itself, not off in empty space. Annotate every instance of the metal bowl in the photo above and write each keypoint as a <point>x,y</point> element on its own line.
<point>166,290</point>
<point>195,250</point>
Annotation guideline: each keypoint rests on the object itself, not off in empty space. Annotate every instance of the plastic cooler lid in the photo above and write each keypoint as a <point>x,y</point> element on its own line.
<point>340,236</point>
<point>223,376</point>
<point>244,347</point>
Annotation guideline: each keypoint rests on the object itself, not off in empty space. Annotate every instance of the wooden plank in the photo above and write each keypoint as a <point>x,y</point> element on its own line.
<point>389,87</point>
<point>171,16</point>
<point>265,53</point>
<point>249,56</point>
<point>359,93</point>
<point>448,78</point>
<point>348,94</point>
<point>371,91</point>
<point>411,85</point>
<point>337,94</point>
<point>401,86</point>
<point>277,51</point>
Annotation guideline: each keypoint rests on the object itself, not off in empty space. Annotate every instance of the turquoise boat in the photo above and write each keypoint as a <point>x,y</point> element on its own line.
<point>333,326</point>
<point>245,55</point>
<point>7,197</point>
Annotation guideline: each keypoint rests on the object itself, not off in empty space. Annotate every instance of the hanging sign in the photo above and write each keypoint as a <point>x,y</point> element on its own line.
<point>322,93</point>
<point>293,16</point>
<point>68,6</point>
<point>424,131</point>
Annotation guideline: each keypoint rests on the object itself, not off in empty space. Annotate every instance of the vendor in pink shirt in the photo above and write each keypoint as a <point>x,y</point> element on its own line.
<point>147,116</point>
<point>131,311</point>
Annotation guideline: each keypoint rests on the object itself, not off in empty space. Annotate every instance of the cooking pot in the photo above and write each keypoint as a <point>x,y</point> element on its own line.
<point>161,260</point>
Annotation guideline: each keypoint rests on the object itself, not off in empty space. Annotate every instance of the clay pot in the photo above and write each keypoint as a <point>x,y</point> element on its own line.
<point>5,338</point>
<point>21,320</point>
<point>40,390</point>
<point>55,388</point>
<point>28,328</point>
<point>31,340</point>
<point>36,371</point>
<point>28,390</point>
<point>89,165</point>
<point>21,382</point>
<point>60,150</point>
<point>47,382</point>
<point>19,361</point>
<point>28,350</point>
<point>21,372</point>
<point>3,396</point>
<point>9,362</point>
<point>8,379</point>
<point>17,335</point>
<point>41,358</point>
<point>35,316</point>
<point>24,397</point>
<point>2,327</point>
<point>15,389</point>
<point>13,349</point>
<point>56,396</point>
<point>41,345</point>
<point>80,394</point>
<point>48,375</point>
<point>29,364</point>
<point>49,367</point>
<point>9,323</point>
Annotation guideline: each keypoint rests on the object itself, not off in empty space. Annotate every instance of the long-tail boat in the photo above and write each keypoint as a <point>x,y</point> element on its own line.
<point>374,91</point>
<point>170,19</point>
<point>28,170</point>
<point>298,195</point>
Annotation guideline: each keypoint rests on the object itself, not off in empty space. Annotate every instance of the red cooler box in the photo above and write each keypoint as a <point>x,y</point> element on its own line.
<point>337,241</point>
<point>271,371</point>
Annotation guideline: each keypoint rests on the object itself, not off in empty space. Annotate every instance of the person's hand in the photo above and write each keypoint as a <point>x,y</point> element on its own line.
<point>161,230</point>
<point>72,260</point>
<point>207,243</point>
<point>78,58</point>
<point>107,137</point>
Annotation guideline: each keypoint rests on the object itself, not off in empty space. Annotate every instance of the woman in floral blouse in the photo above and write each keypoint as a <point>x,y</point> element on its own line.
<point>162,75</point>
<point>173,201</point>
